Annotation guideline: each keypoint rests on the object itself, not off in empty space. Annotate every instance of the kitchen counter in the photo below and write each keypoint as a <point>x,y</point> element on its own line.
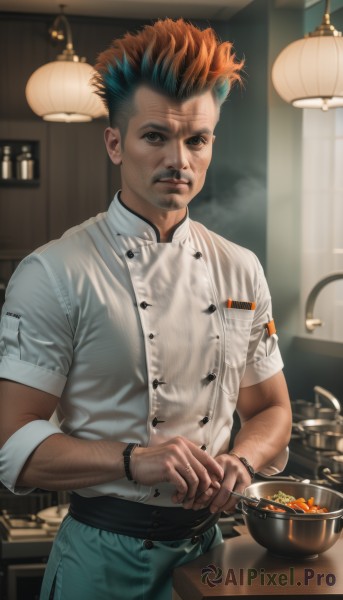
<point>241,568</point>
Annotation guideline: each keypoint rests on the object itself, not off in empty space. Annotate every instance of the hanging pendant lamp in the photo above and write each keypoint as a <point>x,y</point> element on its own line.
<point>61,90</point>
<point>309,72</point>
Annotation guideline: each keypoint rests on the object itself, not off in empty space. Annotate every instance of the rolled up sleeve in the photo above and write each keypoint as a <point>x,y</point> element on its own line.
<point>36,350</point>
<point>15,452</point>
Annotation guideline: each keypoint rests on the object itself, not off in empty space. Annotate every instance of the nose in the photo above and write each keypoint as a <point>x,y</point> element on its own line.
<point>176,156</point>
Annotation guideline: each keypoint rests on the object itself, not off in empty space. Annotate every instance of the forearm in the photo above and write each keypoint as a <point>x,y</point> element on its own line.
<point>63,462</point>
<point>49,459</point>
<point>264,436</point>
<point>266,419</point>
<point>260,440</point>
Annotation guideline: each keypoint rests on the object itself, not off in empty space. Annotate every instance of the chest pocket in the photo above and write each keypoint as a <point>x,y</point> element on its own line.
<point>238,324</point>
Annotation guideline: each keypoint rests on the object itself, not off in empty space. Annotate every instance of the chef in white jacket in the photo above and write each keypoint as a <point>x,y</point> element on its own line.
<point>142,332</point>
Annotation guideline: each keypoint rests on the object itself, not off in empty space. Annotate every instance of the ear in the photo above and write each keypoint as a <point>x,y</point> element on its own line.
<point>113,144</point>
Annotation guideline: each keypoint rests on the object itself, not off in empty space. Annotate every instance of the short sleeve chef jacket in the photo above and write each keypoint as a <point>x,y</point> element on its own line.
<point>135,338</point>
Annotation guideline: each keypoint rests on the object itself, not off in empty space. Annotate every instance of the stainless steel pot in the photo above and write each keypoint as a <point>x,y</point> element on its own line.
<point>337,462</point>
<point>323,425</point>
<point>321,434</point>
<point>308,410</point>
<point>295,535</point>
<point>325,406</point>
<point>335,478</point>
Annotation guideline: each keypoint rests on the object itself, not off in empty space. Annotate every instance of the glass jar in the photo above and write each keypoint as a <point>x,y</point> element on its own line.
<point>25,165</point>
<point>6,163</point>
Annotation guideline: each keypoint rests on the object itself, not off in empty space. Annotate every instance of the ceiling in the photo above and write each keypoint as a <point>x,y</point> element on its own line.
<point>142,9</point>
<point>138,9</point>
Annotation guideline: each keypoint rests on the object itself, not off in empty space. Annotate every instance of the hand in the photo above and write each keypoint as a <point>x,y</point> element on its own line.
<point>235,478</point>
<point>180,462</point>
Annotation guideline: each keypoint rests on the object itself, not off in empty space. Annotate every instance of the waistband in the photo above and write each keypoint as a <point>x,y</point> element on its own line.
<point>140,520</point>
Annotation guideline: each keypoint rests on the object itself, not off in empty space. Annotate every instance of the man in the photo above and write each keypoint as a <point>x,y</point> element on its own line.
<point>142,332</point>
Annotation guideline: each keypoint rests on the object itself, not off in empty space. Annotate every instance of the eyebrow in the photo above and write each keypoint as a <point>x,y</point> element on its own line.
<point>166,129</point>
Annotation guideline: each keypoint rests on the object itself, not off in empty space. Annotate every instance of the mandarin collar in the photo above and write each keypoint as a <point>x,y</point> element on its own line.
<point>128,223</point>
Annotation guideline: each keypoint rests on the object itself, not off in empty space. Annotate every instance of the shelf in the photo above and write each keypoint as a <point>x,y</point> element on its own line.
<point>9,255</point>
<point>16,146</point>
<point>19,182</point>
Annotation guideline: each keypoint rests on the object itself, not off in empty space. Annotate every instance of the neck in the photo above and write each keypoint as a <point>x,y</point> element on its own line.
<point>168,223</point>
<point>162,220</point>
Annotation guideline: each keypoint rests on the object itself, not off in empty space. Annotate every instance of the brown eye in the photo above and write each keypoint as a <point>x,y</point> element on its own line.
<point>197,140</point>
<point>153,136</point>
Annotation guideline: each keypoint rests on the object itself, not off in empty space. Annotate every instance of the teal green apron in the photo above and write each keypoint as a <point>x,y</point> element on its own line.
<point>91,564</point>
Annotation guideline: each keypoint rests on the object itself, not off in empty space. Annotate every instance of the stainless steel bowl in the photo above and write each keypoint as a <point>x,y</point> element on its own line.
<point>285,534</point>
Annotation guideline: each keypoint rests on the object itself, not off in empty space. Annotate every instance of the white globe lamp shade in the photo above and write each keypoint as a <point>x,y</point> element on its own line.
<point>61,91</point>
<point>309,73</point>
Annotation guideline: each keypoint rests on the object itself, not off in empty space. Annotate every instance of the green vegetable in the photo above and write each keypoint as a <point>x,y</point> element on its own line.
<point>282,497</point>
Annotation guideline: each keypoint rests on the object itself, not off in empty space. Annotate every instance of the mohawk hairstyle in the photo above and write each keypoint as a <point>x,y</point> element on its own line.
<point>173,57</point>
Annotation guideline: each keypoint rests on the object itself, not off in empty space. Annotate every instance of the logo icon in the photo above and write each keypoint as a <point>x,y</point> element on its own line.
<point>211,575</point>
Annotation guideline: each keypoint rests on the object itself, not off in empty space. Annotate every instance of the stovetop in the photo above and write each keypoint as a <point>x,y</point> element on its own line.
<point>15,527</point>
<point>22,537</point>
<point>305,461</point>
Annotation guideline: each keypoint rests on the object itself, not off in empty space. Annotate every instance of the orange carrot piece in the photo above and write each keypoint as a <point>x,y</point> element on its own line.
<point>302,505</point>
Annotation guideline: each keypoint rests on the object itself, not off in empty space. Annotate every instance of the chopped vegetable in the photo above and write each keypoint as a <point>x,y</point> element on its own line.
<point>281,497</point>
<point>308,506</point>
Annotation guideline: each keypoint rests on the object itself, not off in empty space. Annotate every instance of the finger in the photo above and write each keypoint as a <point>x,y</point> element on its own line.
<point>209,493</point>
<point>224,500</point>
<point>206,478</point>
<point>206,484</point>
<point>192,465</point>
<point>181,488</point>
<point>192,480</point>
<point>207,469</point>
<point>204,499</point>
<point>213,468</point>
<point>196,475</point>
<point>186,482</point>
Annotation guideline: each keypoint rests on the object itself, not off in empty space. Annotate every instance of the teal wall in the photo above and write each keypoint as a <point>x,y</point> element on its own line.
<point>313,15</point>
<point>235,200</point>
<point>307,363</point>
<point>253,191</point>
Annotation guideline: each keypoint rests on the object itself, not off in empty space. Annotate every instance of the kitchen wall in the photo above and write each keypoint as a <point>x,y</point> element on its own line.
<point>257,183</point>
<point>307,363</point>
<point>252,194</point>
<point>237,205</point>
<point>75,178</point>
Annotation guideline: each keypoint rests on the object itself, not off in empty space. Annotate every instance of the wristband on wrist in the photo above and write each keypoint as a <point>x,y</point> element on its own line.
<point>127,456</point>
<point>244,462</point>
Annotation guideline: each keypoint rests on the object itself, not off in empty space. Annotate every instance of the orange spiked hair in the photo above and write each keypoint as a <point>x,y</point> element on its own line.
<point>173,57</point>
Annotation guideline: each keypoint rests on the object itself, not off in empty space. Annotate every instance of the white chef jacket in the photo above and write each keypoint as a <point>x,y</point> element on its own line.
<point>135,338</point>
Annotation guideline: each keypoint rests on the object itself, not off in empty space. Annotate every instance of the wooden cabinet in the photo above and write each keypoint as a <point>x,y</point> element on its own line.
<point>76,181</point>
<point>76,178</point>
<point>23,210</point>
<point>77,174</point>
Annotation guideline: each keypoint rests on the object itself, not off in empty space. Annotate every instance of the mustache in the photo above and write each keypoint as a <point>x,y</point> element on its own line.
<point>173,174</point>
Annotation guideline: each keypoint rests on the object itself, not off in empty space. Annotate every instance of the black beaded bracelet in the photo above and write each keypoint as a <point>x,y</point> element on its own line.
<point>244,462</point>
<point>127,456</point>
